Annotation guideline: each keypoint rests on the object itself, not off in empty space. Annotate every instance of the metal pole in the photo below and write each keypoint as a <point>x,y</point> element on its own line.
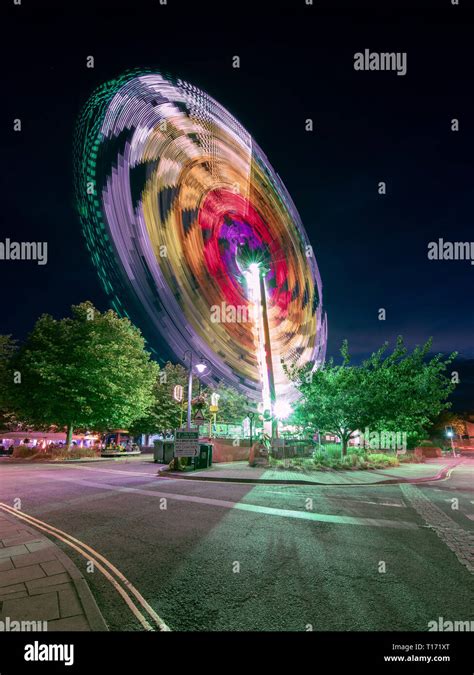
<point>452,447</point>
<point>268,354</point>
<point>190,390</point>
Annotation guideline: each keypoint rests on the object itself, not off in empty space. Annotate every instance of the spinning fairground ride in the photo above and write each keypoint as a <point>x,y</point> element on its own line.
<point>195,237</point>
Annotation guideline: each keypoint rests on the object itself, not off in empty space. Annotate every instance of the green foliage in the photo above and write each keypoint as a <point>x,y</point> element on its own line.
<point>90,370</point>
<point>319,456</point>
<point>180,464</point>
<point>380,459</point>
<point>333,450</point>
<point>233,406</point>
<point>400,391</point>
<point>7,351</point>
<point>165,413</point>
<point>352,461</point>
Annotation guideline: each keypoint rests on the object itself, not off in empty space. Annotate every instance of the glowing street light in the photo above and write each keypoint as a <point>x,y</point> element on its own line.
<point>282,410</point>
<point>450,435</point>
<point>201,367</point>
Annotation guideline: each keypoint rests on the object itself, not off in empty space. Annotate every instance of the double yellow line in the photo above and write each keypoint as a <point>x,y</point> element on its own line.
<point>119,581</point>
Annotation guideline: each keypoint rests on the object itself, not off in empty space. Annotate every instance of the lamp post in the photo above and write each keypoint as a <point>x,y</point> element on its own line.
<point>450,434</point>
<point>251,415</point>
<point>201,367</point>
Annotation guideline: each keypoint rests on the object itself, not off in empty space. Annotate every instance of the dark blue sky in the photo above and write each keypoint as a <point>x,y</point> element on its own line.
<point>369,127</point>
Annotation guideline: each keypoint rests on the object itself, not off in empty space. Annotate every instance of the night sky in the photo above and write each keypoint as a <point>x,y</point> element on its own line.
<point>295,64</point>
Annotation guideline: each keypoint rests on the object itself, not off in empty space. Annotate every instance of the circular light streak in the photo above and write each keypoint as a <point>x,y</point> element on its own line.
<point>180,207</point>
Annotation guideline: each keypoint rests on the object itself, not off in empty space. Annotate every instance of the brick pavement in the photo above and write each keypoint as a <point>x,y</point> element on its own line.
<point>39,582</point>
<point>456,538</point>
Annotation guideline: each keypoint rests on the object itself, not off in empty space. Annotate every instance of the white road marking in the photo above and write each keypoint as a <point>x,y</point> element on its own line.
<point>106,567</point>
<point>242,506</point>
<point>117,471</point>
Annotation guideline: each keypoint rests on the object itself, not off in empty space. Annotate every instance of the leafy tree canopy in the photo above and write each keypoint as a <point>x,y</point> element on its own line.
<point>166,413</point>
<point>397,391</point>
<point>7,350</point>
<point>90,370</point>
<point>233,406</point>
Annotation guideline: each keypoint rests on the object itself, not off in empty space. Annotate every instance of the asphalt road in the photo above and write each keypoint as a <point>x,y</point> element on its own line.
<point>221,556</point>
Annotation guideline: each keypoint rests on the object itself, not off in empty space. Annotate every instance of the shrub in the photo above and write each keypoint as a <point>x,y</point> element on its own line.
<point>333,450</point>
<point>74,453</point>
<point>298,461</point>
<point>24,451</point>
<point>179,463</point>
<point>381,460</point>
<point>410,458</point>
<point>352,461</point>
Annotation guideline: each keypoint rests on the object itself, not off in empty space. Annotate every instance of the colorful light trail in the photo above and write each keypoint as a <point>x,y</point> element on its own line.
<point>177,201</point>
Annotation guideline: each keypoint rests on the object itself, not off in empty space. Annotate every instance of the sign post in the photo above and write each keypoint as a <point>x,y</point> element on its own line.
<point>198,418</point>
<point>186,443</point>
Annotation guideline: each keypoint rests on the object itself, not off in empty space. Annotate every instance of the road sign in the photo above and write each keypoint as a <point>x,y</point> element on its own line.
<point>198,417</point>
<point>186,443</point>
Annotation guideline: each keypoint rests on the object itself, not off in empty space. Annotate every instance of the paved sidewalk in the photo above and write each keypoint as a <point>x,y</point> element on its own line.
<point>38,582</point>
<point>242,472</point>
<point>459,540</point>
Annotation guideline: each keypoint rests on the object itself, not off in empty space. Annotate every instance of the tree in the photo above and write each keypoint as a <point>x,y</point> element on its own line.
<point>331,399</point>
<point>447,419</point>
<point>233,406</point>
<point>90,370</point>
<point>400,391</point>
<point>409,390</point>
<point>7,350</point>
<point>165,413</point>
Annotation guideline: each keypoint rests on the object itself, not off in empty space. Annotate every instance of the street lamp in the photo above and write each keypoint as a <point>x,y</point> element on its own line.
<point>450,434</point>
<point>282,410</point>
<point>201,367</point>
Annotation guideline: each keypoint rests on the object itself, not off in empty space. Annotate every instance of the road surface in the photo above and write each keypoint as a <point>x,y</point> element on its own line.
<point>222,556</point>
